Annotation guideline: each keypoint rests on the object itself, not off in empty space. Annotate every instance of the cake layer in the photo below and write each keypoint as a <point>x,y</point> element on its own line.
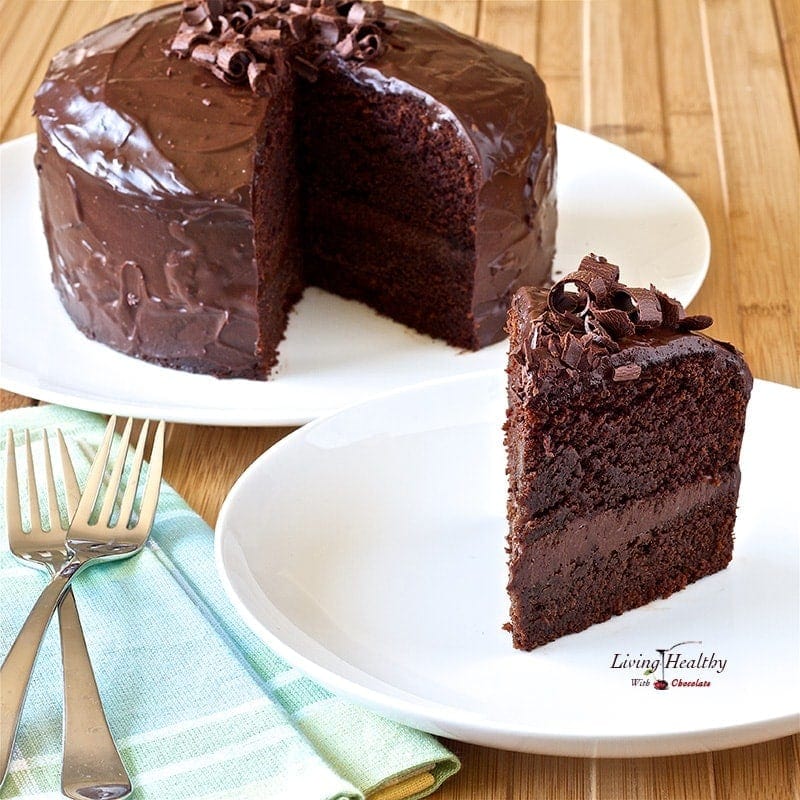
<point>582,441</point>
<point>590,569</point>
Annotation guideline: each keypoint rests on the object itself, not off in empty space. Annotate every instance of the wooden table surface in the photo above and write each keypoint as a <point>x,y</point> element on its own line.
<point>706,90</point>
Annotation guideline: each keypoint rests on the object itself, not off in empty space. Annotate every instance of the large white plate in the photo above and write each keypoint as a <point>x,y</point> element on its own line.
<point>336,352</point>
<point>368,549</point>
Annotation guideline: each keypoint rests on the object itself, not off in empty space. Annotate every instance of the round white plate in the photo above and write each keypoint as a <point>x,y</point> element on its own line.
<point>336,352</point>
<point>367,548</point>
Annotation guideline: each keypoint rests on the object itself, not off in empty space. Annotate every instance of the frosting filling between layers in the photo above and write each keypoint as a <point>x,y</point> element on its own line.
<point>550,546</point>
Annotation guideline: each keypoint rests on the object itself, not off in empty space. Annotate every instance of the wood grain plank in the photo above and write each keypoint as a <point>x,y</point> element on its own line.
<point>559,59</point>
<point>62,23</point>
<point>20,66</point>
<point>202,463</point>
<point>692,155</point>
<point>678,778</point>
<point>512,25</point>
<point>9,400</point>
<point>459,14</point>
<point>487,774</point>
<point>625,87</point>
<point>767,771</point>
<point>758,139</point>
<point>787,17</point>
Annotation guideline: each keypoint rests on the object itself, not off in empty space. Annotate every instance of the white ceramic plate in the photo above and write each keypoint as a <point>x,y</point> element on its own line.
<point>368,549</point>
<point>336,352</point>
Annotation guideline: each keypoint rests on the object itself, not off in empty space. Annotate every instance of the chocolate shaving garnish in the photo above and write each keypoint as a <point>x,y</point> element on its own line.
<point>185,41</point>
<point>235,35</point>
<point>589,312</point>
<point>234,60</point>
<point>571,351</point>
<point>671,310</point>
<point>357,14</point>
<point>606,270</point>
<point>695,323</point>
<point>247,8</point>
<point>616,322</point>
<point>648,308</point>
<point>205,54</point>
<point>626,372</point>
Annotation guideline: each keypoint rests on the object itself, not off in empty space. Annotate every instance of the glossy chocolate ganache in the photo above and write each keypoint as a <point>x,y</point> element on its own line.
<point>200,165</point>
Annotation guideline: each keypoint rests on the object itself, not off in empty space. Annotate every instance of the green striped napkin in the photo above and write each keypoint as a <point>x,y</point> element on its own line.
<point>199,707</point>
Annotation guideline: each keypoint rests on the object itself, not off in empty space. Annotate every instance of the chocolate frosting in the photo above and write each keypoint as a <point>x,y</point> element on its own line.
<point>123,125</point>
<point>589,322</point>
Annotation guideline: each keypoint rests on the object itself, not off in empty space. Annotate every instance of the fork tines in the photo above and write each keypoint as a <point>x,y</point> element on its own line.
<point>98,479</point>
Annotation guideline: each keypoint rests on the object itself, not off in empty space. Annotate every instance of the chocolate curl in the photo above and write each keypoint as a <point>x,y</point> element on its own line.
<point>671,309</point>
<point>356,14</point>
<point>186,40</point>
<point>197,17</point>
<point>205,54</point>
<point>258,76</point>
<point>571,351</point>
<point>234,60</point>
<point>648,308</point>
<point>248,8</point>
<point>329,29</point>
<point>347,47</point>
<point>616,322</point>
<point>369,43</point>
<point>698,322</point>
<point>606,272</point>
<point>570,305</point>
<point>238,20</point>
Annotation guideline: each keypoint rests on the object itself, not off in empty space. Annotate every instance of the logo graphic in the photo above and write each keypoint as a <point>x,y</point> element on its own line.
<point>682,665</point>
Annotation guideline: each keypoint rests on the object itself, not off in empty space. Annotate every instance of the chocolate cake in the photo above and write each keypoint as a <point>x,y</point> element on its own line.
<point>200,166</point>
<point>623,433</point>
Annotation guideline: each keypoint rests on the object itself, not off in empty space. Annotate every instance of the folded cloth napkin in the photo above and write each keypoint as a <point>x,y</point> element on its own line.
<point>199,707</point>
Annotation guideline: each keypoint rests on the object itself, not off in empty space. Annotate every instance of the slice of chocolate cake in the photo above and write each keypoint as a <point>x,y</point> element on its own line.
<point>623,434</point>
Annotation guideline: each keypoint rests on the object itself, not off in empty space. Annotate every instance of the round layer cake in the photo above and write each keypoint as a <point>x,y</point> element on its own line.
<point>374,153</point>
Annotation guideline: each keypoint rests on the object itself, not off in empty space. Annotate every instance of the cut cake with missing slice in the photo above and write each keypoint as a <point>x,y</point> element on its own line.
<point>623,434</point>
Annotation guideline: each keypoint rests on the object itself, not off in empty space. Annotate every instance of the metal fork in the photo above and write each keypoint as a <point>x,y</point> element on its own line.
<point>90,757</point>
<point>87,542</point>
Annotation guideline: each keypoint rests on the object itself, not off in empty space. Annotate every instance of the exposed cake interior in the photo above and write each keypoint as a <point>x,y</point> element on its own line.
<point>623,461</point>
<point>276,214</point>
<point>388,218</point>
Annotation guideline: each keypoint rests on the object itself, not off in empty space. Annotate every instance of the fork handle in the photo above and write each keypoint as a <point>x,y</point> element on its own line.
<point>15,674</point>
<point>91,766</point>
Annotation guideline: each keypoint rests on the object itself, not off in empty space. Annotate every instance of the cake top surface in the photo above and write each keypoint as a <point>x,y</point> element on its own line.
<point>119,105</point>
<point>589,322</point>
